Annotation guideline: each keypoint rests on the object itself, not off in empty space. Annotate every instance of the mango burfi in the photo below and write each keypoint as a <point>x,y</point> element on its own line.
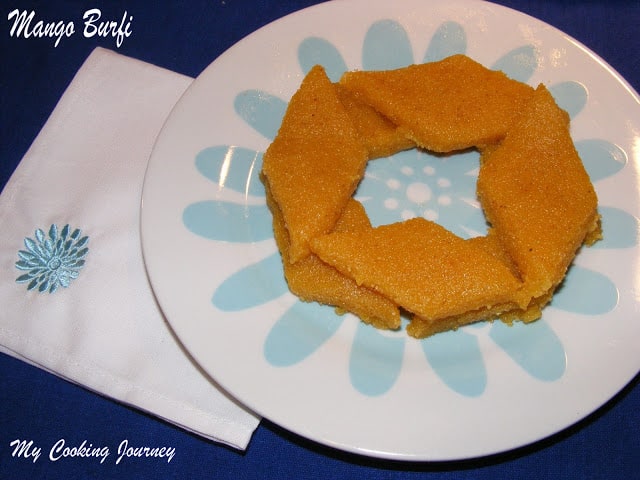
<point>422,267</point>
<point>315,162</point>
<point>538,197</point>
<point>452,104</point>
<point>381,137</point>
<point>314,281</point>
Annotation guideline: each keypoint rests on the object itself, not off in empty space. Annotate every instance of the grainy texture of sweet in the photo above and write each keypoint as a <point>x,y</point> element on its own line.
<point>508,311</point>
<point>315,162</point>
<point>452,104</point>
<point>381,136</point>
<point>491,244</point>
<point>421,266</point>
<point>534,190</point>
<point>314,281</point>
<point>422,327</point>
<point>538,197</point>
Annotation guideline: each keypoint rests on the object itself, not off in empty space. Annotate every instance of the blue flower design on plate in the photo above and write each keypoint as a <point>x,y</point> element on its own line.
<point>52,260</point>
<point>411,183</point>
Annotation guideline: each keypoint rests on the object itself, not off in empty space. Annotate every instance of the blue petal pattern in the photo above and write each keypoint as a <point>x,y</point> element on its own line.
<point>407,184</point>
<point>386,46</point>
<point>621,229</point>
<point>449,39</point>
<point>252,286</point>
<point>236,168</point>
<point>376,360</point>
<point>456,357</point>
<point>587,292</point>
<point>217,220</point>
<point>519,64</point>
<point>601,159</point>
<point>318,51</point>
<point>298,333</point>
<point>534,347</point>
<point>570,96</point>
<point>261,110</point>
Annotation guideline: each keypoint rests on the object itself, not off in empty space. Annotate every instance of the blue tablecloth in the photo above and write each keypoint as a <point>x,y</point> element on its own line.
<point>185,37</point>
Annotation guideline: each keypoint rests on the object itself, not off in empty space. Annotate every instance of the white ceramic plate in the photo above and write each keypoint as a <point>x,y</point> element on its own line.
<point>484,389</point>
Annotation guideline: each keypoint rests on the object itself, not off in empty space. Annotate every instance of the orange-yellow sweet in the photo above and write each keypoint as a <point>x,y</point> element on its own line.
<point>538,197</point>
<point>452,104</point>
<point>315,162</point>
<point>534,190</point>
<point>422,267</point>
<point>314,281</point>
<point>381,137</point>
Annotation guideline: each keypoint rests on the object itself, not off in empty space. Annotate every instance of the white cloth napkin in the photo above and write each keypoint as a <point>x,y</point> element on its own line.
<point>100,327</point>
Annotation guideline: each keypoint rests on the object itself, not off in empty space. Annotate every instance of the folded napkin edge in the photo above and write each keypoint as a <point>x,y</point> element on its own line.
<point>145,400</point>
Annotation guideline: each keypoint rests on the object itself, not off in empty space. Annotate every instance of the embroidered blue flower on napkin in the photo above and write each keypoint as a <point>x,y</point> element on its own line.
<point>52,260</point>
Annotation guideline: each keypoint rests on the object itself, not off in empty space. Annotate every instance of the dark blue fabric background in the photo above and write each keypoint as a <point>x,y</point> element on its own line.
<point>185,36</point>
